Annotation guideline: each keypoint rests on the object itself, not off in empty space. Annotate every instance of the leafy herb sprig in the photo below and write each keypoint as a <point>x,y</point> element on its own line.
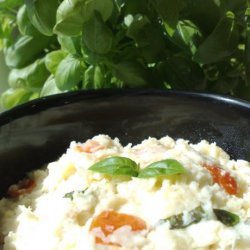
<point>162,168</point>
<point>184,44</point>
<point>123,166</point>
<point>116,166</point>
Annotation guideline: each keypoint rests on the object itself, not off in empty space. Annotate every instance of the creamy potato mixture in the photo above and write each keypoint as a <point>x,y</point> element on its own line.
<point>157,195</point>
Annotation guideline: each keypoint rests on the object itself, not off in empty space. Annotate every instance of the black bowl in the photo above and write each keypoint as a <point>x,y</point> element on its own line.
<point>40,131</point>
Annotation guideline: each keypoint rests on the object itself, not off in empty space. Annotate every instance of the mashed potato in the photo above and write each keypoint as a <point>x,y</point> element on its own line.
<point>68,206</point>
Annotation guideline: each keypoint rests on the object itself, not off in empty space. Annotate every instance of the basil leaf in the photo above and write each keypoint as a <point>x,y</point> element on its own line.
<point>178,221</point>
<point>68,73</point>
<point>49,87</point>
<point>69,18</point>
<point>71,44</point>
<point>104,7</point>
<point>116,166</point>
<point>53,59</point>
<point>13,97</point>
<point>132,73</point>
<point>169,11</point>
<point>97,36</point>
<point>23,22</point>
<point>221,43</point>
<point>42,14</point>
<point>227,218</point>
<point>162,168</point>
<point>25,50</point>
<point>32,76</point>
<point>93,78</point>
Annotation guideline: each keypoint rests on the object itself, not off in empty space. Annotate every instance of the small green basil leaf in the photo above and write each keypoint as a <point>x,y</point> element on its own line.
<point>116,166</point>
<point>178,221</point>
<point>53,59</point>
<point>104,7</point>
<point>69,18</point>
<point>221,43</point>
<point>137,29</point>
<point>162,168</point>
<point>25,49</point>
<point>42,14</point>
<point>71,44</point>
<point>13,97</point>
<point>68,73</point>
<point>169,11</point>
<point>132,73</point>
<point>93,78</point>
<point>49,87</point>
<point>187,36</point>
<point>227,218</point>
<point>32,76</point>
<point>23,22</point>
<point>97,36</point>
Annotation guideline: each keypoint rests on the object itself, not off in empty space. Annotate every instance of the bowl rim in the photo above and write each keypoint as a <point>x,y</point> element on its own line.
<point>43,103</point>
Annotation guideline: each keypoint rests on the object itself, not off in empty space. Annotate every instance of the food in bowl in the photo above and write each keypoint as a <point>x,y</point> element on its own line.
<point>160,194</point>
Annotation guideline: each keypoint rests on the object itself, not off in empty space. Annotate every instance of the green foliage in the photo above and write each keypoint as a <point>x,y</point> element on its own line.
<point>68,73</point>
<point>116,165</point>
<point>178,221</point>
<point>221,43</point>
<point>23,22</point>
<point>71,45</point>
<point>227,218</point>
<point>13,97</point>
<point>53,59</point>
<point>162,168</point>
<point>49,87</point>
<point>42,14</point>
<point>32,76</point>
<point>93,78</point>
<point>25,49</point>
<point>97,36</point>
<point>69,18</point>
<point>91,44</point>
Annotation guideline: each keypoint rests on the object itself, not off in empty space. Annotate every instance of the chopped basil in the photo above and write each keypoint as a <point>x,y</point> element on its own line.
<point>116,166</point>
<point>162,168</point>
<point>227,218</point>
<point>70,194</point>
<point>178,221</point>
<point>183,220</point>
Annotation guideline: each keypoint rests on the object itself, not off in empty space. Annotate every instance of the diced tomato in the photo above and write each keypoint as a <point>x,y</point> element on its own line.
<point>23,187</point>
<point>109,221</point>
<point>89,146</point>
<point>223,178</point>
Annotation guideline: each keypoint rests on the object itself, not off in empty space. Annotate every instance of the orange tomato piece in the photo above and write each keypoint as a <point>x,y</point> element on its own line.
<point>109,221</point>
<point>23,187</point>
<point>89,146</point>
<point>223,178</point>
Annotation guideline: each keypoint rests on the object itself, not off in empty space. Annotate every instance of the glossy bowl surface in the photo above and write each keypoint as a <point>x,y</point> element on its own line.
<point>40,131</point>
